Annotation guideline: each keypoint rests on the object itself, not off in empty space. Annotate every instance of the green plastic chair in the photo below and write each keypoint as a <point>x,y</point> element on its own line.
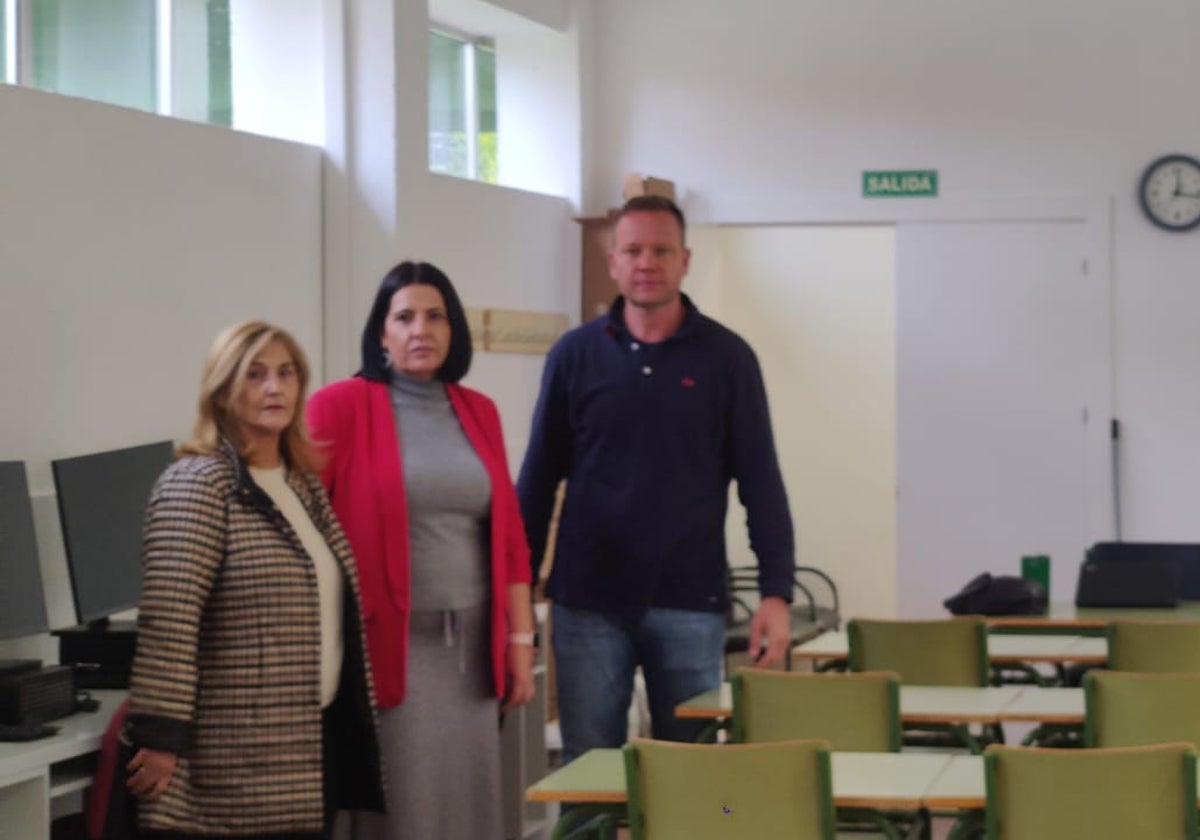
<point>1130,709</point>
<point>943,652</point>
<point>950,651</point>
<point>1154,646</point>
<point>729,791</point>
<point>853,712</point>
<point>1101,794</point>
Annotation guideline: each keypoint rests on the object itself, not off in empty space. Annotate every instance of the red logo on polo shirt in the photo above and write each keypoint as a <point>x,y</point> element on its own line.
<point>687,382</point>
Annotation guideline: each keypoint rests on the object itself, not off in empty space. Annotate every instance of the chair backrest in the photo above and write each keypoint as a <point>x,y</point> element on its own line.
<point>1127,709</point>
<point>853,712</point>
<point>950,651</point>
<point>1154,646</point>
<point>727,791</point>
<point>1064,794</point>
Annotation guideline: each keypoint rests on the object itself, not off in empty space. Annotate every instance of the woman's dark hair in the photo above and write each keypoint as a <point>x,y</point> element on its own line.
<point>458,360</point>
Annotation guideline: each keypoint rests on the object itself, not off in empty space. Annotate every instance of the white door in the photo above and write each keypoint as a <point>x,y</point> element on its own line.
<point>816,304</point>
<point>1003,395</point>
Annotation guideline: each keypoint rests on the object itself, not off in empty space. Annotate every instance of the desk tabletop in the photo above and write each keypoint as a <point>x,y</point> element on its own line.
<point>1029,648</point>
<point>959,785</point>
<point>940,704</point>
<point>1046,705</point>
<point>596,776</point>
<point>860,780</point>
<point>1090,650</point>
<point>884,780</point>
<point>1067,615</point>
<point>78,734</point>
<point>1002,649</point>
<point>832,644</point>
<point>956,704</point>
<point>717,703</point>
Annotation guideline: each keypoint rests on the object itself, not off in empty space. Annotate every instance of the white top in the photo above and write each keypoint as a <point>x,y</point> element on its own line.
<point>329,575</point>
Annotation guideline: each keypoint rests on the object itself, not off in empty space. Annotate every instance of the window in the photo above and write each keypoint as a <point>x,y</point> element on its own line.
<point>201,80</point>
<point>102,50</point>
<point>166,56</point>
<point>462,106</point>
<point>8,34</point>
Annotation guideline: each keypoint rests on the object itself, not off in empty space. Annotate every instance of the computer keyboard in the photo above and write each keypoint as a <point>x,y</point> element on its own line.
<point>26,732</point>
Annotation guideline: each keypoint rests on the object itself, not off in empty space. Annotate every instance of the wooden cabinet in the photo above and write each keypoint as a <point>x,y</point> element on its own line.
<point>597,291</point>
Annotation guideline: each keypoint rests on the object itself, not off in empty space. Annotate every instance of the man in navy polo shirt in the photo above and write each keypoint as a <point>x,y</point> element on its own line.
<point>648,413</point>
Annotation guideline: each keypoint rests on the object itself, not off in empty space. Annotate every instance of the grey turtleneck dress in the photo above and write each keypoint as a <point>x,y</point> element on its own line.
<point>441,746</point>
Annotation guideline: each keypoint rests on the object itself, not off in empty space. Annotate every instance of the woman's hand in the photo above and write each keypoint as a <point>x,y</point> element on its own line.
<point>150,772</point>
<point>520,676</point>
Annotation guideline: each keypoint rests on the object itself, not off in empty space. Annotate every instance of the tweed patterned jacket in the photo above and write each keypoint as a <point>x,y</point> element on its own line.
<point>227,671</point>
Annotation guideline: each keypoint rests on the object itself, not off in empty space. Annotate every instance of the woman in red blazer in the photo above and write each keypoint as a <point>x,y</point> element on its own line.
<point>417,473</point>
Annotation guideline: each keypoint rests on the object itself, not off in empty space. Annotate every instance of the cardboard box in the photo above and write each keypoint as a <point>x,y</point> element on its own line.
<point>633,184</point>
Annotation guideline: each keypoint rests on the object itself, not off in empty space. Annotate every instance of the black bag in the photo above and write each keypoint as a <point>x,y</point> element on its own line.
<point>1002,595</point>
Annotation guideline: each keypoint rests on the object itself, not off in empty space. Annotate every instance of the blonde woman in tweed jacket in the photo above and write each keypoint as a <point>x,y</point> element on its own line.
<point>251,707</point>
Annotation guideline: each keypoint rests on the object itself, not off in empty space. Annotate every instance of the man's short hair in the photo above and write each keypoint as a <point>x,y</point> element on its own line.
<point>653,204</point>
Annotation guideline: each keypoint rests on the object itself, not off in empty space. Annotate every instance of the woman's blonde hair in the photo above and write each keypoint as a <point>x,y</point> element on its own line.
<point>221,384</point>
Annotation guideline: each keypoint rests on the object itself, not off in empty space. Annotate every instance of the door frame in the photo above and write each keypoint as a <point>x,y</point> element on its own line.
<point>1094,213</point>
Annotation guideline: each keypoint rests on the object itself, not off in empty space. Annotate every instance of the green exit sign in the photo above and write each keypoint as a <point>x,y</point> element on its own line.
<point>900,183</point>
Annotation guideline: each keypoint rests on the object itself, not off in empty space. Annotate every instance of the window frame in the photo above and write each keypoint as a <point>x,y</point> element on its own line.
<point>19,53</point>
<point>471,45</point>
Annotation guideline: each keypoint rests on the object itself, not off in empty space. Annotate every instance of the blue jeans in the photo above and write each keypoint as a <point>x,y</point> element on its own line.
<point>596,653</point>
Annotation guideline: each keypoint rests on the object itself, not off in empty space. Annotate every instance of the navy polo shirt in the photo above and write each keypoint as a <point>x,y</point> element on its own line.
<point>648,437</point>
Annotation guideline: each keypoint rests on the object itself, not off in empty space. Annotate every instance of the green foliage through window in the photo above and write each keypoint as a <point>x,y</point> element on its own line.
<point>462,108</point>
<point>119,51</point>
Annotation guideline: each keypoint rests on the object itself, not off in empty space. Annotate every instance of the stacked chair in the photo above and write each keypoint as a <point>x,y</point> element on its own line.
<point>815,610</point>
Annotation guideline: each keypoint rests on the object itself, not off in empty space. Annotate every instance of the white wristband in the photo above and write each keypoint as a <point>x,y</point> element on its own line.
<point>521,639</point>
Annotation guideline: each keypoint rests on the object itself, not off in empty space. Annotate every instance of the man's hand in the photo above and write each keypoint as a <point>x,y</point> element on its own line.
<point>771,628</point>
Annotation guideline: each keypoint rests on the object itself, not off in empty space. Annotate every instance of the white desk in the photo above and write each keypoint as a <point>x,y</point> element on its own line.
<point>918,703</point>
<point>34,773</point>
<point>962,784</point>
<point>860,779</point>
<point>1001,649</point>
<point>1047,705</point>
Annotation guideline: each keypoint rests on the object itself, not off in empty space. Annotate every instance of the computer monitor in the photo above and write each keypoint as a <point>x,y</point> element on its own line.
<point>101,502</point>
<point>22,602</point>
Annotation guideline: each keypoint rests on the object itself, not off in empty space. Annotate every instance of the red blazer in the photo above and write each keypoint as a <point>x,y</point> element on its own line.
<point>353,425</point>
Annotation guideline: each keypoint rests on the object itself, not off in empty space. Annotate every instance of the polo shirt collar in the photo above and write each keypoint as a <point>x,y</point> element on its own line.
<point>615,325</point>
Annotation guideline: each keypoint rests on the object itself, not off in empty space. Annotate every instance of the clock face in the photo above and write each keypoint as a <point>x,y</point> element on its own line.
<point>1170,192</point>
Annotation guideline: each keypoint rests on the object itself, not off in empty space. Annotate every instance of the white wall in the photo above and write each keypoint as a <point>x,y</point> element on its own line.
<point>277,68</point>
<point>501,247</point>
<point>537,102</point>
<point>555,14</point>
<point>816,304</point>
<point>127,241</point>
<point>773,109</point>
<point>537,87</point>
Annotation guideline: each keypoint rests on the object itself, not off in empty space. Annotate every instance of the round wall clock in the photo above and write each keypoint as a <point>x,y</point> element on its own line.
<point>1169,192</point>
